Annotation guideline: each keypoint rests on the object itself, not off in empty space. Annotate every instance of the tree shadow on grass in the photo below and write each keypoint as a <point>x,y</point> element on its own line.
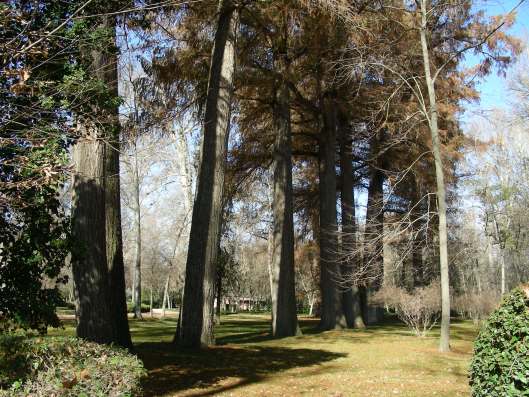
<point>172,371</point>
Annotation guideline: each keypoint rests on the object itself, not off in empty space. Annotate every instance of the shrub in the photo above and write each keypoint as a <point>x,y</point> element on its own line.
<point>419,310</point>
<point>500,365</point>
<point>144,308</point>
<point>475,306</point>
<point>45,366</point>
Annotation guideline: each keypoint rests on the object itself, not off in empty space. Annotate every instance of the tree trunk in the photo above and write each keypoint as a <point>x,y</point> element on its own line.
<point>502,265</point>
<point>137,221</point>
<point>418,238</point>
<point>284,319</point>
<point>114,246</point>
<point>331,306</point>
<point>89,260</point>
<point>197,312</point>
<point>270,244</point>
<point>165,300</point>
<point>444,344</point>
<point>219,298</point>
<point>350,295</point>
<point>150,303</point>
<point>374,230</point>
<point>97,264</point>
<point>312,300</point>
<point>270,241</point>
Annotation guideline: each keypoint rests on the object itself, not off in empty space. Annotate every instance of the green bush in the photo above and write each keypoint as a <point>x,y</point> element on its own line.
<point>500,366</point>
<point>144,308</point>
<point>60,366</point>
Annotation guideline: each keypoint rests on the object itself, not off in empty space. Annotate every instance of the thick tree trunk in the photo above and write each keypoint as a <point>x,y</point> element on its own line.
<point>444,344</point>
<point>137,221</point>
<point>97,264</point>
<point>350,295</point>
<point>197,312</point>
<point>331,305</point>
<point>114,247</point>
<point>284,318</point>
<point>89,259</point>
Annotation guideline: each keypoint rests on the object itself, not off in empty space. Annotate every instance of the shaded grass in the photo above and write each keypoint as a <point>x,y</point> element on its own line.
<point>383,360</point>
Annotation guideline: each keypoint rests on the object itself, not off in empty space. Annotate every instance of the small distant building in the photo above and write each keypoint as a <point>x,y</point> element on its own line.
<point>242,304</point>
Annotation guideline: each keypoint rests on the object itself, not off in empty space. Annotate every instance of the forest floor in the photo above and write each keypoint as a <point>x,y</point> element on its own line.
<point>385,360</point>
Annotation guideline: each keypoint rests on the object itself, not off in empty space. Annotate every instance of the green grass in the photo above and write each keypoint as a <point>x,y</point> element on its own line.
<point>381,361</point>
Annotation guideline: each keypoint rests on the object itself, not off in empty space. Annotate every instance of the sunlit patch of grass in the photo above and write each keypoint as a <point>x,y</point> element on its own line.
<point>385,360</point>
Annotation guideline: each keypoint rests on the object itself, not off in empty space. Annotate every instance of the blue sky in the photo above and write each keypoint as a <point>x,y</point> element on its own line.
<point>493,88</point>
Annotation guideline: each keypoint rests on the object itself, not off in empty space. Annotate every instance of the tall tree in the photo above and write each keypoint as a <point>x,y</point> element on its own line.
<point>332,316</point>
<point>97,263</point>
<point>284,319</point>
<point>444,344</point>
<point>197,308</point>
<point>114,248</point>
<point>136,290</point>
<point>350,296</point>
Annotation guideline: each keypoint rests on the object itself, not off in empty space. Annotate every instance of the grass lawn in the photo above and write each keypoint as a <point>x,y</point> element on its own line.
<point>383,360</point>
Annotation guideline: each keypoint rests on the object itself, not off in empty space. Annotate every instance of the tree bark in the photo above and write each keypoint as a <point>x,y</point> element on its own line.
<point>97,264</point>
<point>444,343</point>
<point>114,246</point>
<point>350,295</point>
<point>89,259</point>
<point>284,317</point>
<point>197,312</point>
<point>331,306</point>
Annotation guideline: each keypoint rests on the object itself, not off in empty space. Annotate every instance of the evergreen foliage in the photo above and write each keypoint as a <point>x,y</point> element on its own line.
<point>500,366</point>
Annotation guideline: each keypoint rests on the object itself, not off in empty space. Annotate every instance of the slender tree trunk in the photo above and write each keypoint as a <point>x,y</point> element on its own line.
<point>273,293</point>
<point>137,220</point>
<point>219,298</point>
<point>418,235</point>
<point>331,304</point>
<point>373,258</point>
<point>89,260</point>
<point>502,265</point>
<point>114,248</point>
<point>374,230</point>
<point>312,300</point>
<point>150,303</point>
<point>284,320</point>
<point>270,244</point>
<point>165,300</point>
<point>350,295</point>
<point>444,344</point>
<point>197,312</point>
